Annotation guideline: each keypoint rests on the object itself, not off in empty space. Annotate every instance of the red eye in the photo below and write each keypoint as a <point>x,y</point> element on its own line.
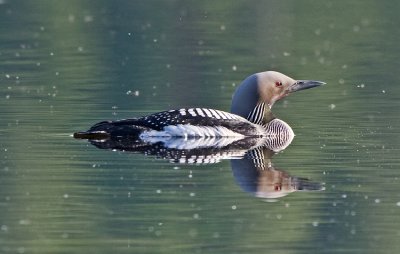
<point>278,84</point>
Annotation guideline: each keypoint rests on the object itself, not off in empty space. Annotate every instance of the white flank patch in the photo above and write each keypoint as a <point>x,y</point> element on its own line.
<point>187,130</point>
<point>190,137</point>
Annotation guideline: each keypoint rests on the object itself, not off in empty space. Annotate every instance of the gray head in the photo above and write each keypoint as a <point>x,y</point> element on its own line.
<point>265,88</point>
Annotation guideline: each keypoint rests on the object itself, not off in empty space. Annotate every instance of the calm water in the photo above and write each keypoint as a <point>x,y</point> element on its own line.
<point>65,65</point>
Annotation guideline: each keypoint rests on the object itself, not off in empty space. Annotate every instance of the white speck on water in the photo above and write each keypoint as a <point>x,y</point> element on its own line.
<point>398,203</point>
<point>24,222</point>
<point>71,18</point>
<point>315,223</point>
<point>129,194</point>
<point>80,49</point>
<point>234,207</point>
<point>4,228</point>
<point>216,235</point>
<point>192,194</point>
<point>155,40</point>
<point>383,91</point>
<point>234,68</point>
<point>286,53</point>
<point>129,34</point>
<point>377,201</point>
<point>279,216</point>
<point>88,18</point>
<point>7,96</point>
<point>344,195</point>
<point>158,191</point>
<point>344,66</point>
<point>361,85</point>
<point>176,167</point>
<point>222,27</point>
<point>196,216</point>
<point>332,106</point>
<point>8,76</point>
<point>51,54</point>
<point>66,195</point>
<point>341,81</point>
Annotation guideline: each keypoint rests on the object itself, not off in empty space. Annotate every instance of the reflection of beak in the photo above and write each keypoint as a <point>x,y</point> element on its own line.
<point>303,184</point>
<point>304,84</point>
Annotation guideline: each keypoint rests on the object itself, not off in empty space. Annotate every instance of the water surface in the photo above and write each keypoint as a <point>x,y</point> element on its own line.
<point>66,65</point>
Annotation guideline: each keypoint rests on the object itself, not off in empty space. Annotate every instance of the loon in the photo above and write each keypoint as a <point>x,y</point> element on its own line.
<point>250,115</point>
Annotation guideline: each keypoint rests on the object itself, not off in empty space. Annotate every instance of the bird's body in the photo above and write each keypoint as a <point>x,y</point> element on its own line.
<point>250,115</point>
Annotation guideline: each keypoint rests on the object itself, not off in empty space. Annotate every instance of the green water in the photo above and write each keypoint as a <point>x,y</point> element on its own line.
<point>65,65</point>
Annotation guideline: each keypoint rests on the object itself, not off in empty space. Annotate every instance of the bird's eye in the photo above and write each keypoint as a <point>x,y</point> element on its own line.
<point>278,84</point>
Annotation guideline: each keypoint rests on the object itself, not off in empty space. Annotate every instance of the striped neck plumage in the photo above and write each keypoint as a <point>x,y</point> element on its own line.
<point>261,114</point>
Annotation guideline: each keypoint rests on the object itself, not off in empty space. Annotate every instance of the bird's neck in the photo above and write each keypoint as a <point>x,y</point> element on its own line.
<point>261,114</point>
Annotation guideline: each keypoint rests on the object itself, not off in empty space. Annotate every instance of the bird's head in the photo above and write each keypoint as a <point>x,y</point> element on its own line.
<point>266,87</point>
<point>273,86</point>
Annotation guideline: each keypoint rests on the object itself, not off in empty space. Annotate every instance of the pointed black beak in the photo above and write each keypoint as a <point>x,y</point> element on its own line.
<point>304,84</point>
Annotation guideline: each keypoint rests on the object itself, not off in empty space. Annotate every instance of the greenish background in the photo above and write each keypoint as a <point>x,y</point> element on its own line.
<point>65,65</point>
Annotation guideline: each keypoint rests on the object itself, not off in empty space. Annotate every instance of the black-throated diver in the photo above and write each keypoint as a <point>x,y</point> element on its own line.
<point>250,115</point>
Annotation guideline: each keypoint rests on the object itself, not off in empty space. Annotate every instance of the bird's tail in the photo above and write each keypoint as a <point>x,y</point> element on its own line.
<point>91,135</point>
<point>112,129</point>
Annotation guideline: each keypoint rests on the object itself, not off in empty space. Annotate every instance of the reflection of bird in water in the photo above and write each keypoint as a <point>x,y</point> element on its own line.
<point>250,160</point>
<point>250,115</point>
<point>256,174</point>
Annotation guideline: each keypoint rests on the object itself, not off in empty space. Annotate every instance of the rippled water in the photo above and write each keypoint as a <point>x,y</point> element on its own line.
<point>66,65</point>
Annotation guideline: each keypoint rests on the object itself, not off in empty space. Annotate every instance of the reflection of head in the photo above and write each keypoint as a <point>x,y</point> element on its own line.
<point>273,183</point>
<point>255,174</point>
